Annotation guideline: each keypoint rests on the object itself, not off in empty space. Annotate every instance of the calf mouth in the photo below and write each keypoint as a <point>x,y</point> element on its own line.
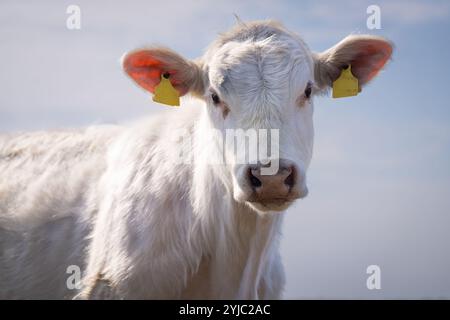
<point>271,206</point>
<point>276,204</point>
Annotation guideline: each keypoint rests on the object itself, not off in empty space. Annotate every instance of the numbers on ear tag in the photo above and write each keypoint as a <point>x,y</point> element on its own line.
<point>165,93</point>
<point>346,85</point>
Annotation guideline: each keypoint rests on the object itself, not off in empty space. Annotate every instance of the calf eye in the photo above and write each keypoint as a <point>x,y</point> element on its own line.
<point>215,98</point>
<point>308,90</point>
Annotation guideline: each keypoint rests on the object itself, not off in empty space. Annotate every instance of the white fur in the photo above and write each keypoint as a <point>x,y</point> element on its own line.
<point>110,201</point>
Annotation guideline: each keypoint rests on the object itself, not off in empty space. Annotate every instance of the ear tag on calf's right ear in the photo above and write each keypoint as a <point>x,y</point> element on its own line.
<point>346,85</point>
<point>165,93</point>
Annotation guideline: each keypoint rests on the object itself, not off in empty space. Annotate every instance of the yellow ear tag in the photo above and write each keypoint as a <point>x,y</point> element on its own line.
<point>165,93</point>
<point>346,85</point>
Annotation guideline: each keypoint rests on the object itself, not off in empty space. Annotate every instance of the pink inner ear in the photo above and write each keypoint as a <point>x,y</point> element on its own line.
<point>370,60</point>
<point>146,70</point>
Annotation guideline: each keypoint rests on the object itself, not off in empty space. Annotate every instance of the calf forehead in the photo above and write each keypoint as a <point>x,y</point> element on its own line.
<point>270,65</point>
<point>261,77</point>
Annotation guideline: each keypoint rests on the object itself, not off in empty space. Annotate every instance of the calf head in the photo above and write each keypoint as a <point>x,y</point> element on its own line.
<point>259,80</point>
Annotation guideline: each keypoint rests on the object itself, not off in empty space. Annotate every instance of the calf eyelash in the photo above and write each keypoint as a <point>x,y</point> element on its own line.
<point>306,95</point>
<point>215,98</point>
<point>308,90</point>
<point>219,103</point>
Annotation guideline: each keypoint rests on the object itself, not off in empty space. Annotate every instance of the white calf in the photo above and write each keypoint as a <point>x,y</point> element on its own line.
<point>116,201</point>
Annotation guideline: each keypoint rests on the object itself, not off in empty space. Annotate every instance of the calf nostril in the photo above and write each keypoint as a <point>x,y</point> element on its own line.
<point>254,181</point>
<point>290,180</point>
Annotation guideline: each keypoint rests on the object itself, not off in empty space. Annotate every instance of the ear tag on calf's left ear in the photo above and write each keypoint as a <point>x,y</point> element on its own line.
<point>346,85</point>
<point>165,93</point>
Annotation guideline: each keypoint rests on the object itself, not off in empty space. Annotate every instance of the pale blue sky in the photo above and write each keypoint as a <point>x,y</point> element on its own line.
<point>380,178</point>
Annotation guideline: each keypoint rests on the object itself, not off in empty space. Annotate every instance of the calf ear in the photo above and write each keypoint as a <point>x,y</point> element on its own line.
<point>366,54</point>
<point>145,67</point>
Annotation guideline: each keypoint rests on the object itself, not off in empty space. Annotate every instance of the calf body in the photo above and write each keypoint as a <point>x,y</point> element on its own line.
<point>111,201</point>
<point>48,190</point>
